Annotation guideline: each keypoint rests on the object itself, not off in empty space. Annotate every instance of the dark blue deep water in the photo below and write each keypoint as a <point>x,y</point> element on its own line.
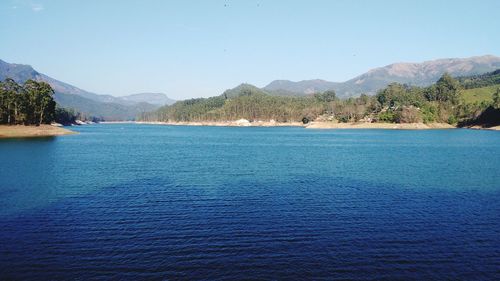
<point>162,202</point>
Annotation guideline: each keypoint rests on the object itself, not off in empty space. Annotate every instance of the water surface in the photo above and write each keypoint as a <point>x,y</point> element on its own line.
<point>130,201</point>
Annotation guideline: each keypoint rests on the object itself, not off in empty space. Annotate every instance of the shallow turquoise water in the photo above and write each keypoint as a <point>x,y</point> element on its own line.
<point>164,202</point>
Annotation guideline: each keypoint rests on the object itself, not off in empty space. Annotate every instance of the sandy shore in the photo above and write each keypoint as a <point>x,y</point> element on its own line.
<point>364,125</point>
<point>20,131</point>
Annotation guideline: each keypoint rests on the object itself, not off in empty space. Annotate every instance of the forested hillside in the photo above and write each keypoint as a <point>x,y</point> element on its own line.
<point>444,101</point>
<point>94,110</point>
<point>245,101</point>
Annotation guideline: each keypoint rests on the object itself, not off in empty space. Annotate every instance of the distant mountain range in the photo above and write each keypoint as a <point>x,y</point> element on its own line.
<point>418,74</point>
<point>104,106</point>
<point>127,108</point>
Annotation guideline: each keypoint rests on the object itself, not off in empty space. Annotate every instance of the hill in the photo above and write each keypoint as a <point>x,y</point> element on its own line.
<point>416,74</point>
<point>303,87</point>
<point>108,111</point>
<point>243,90</point>
<point>444,101</point>
<point>480,88</point>
<point>244,101</point>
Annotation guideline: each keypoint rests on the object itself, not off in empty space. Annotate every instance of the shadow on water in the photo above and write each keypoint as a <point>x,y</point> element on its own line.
<point>294,228</point>
<point>145,202</point>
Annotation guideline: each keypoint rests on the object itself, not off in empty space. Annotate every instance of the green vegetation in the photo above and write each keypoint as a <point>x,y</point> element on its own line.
<point>449,100</point>
<point>496,98</point>
<point>480,81</point>
<point>31,103</point>
<point>65,116</point>
<point>89,109</point>
<point>248,104</point>
<point>479,94</point>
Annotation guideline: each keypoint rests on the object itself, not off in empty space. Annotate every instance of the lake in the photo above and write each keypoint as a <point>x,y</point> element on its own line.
<point>126,201</point>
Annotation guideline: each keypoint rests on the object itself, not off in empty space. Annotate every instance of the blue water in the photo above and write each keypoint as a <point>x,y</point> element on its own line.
<point>164,202</point>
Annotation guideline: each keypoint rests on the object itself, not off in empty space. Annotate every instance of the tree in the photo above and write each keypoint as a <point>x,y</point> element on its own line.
<point>13,101</point>
<point>391,95</point>
<point>3,103</point>
<point>396,95</point>
<point>326,96</point>
<point>446,89</point>
<point>41,105</point>
<point>408,114</point>
<point>65,116</point>
<point>496,99</point>
<point>47,105</point>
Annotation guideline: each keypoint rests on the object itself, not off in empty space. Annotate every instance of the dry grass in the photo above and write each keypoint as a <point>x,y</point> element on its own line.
<point>20,131</point>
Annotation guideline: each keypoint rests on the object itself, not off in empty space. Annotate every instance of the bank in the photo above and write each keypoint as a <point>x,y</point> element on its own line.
<point>21,131</point>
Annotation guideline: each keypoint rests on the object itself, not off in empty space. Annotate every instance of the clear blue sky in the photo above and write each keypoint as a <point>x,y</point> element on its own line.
<point>200,48</point>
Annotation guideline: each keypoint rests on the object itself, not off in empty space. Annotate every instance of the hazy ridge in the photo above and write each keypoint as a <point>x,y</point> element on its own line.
<point>417,74</point>
<point>106,107</point>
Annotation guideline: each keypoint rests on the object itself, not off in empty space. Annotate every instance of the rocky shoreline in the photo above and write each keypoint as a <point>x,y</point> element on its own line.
<point>366,125</point>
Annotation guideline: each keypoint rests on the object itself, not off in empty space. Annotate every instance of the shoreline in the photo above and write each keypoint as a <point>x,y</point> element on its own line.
<point>21,131</point>
<point>493,128</point>
<point>313,125</point>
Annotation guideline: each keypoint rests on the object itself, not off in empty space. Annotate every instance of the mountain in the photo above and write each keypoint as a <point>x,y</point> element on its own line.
<point>159,99</point>
<point>126,108</point>
<point>108,111</point>
<point>248,89</point>
<point>243,90</point>
<point>418,74</point>
<point>106,107</point>
<point>304,87</point>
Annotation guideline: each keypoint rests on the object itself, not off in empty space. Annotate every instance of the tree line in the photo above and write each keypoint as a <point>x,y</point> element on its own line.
<point>482,80</point>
